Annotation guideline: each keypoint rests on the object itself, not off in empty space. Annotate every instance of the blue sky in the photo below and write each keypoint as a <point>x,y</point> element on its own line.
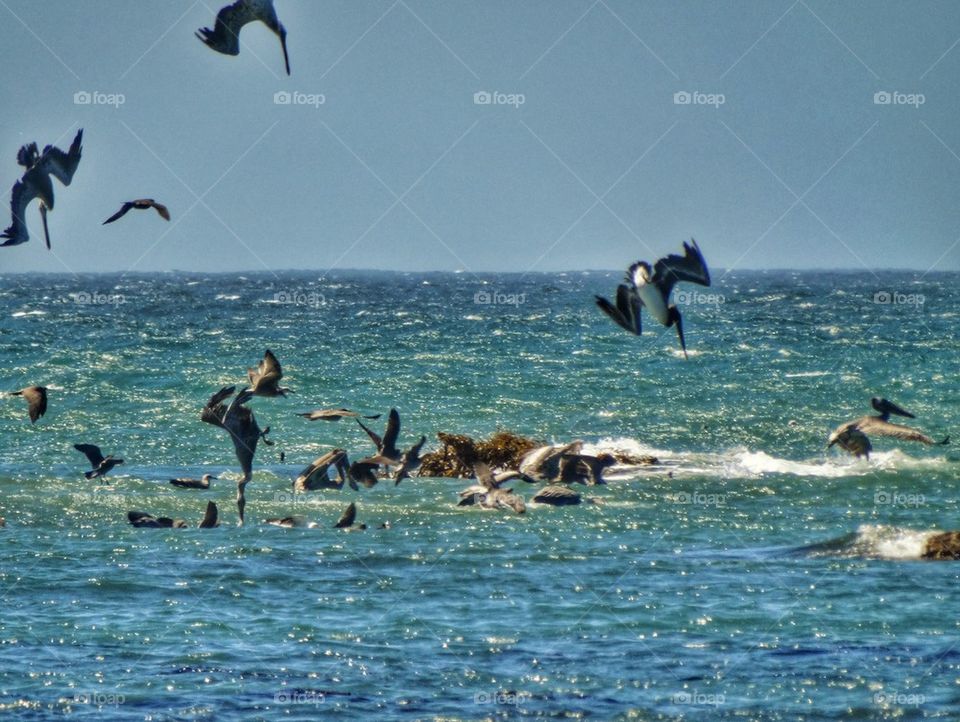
<point>785,156</point>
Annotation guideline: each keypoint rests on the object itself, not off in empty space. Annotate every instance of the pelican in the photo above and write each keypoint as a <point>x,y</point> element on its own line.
<point>652,288</point>
<point>488,494</point>
<point>291,522</point>
<point>584,469</point>
<point>225,36</point>
<point>387,452</point>
<point>335,415</point>
<point>101,464</point>
<point>556,495</point>
<point>316,476</point>
<point>410,461</point>
<point>543,463</point>
<point>852,436</point>
<point>348,518</point>
<point>364,472</point>
<point>143,520</point>
<point>265,379</point>
<point>36,398</point>
<point>201,483</point>
<point>141,204</point>
<point>242,426</point>
<point>36,183</point>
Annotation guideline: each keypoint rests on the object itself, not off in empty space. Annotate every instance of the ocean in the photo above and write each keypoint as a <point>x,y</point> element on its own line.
<point>750,574</point>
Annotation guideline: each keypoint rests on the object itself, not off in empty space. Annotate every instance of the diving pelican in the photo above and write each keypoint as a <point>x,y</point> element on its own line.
<point>141,204</point>
<point>143,520</point>
<point>852,436</point>
<point>36,183</point>
<point>225,36</point>
<point>651,287</point>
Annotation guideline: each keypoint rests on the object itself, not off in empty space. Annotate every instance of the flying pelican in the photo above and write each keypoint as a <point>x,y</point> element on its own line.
<point>652,288</point>
<point>335,415</point>
<point>36,398</point>
<point>488,494</point>
<point>148,521</point>
<point>36,183</point>
<point>410,461</point>
<point>387,452</point>
<point>852,436</point>
<point>241,424</point>
<point>201,483</point>
<point>101,464</point>
<point>265,379</point>
<point>225,36</point>
<point>316,476</point>
<point>543,463</point>
<point>142,204</point>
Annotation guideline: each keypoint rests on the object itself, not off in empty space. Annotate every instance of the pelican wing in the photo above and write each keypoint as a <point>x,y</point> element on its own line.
<point>879,427</point>
<point>244,431</point>
<point>627,311</point>
<point>36,398</point>
<point>348,517</point>
<point>374,437</point>
<point>24,191</point>
<point>267,374</point>
<point>161,209</point>
<point>60,164</point>
<point>389,443</point>
<point>888,407</point>
<point>215,410</point>
<point>689,267</point>
<point>225,36</point>
<point>484,476</point>
<point>119,214</point>
<point>91,452</point>
<point>209,516</point>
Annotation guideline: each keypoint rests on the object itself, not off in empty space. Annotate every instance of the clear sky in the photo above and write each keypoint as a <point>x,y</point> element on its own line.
<point>785,156</point>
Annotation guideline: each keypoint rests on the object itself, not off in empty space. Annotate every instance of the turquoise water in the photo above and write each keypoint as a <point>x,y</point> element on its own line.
<point>752,574</point>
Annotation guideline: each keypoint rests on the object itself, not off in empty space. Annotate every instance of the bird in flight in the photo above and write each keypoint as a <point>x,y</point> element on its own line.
<point>225,36</point>
<point>141,204</point>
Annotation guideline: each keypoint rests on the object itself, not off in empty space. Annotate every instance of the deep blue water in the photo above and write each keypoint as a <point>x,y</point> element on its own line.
<point>752,574</point>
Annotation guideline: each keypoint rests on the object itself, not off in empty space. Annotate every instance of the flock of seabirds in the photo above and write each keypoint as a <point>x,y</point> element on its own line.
<point>556,466</point>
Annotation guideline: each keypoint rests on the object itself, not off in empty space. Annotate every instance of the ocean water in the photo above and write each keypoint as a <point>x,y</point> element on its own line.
<point>751,574</point>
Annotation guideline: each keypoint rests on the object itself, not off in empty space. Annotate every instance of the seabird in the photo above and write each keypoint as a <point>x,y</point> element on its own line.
<point>316,475</point>
<point>225,36</point>
<point>265,379</point>
<point>36,398</point>
<point>241,424</point>
<point>291,522</point>
<point>36,183</point>
<point>147,521</point>
<point>852,436</point>
<point>410,461</point>
<point>335,415</point>
<point>364,472</point>
<point>201,483</point>
<point>142,204</point>
<point>387,452</point>
<point>556,495</point>
<point>652,288</point>
<point>101,464</point>
<point>347,519</point>
<point>584,469</point>
<point>543,463</point>
<point>488,494</point>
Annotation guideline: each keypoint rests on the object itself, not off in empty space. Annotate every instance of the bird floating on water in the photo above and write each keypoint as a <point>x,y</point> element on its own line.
<point>201,483</point>
<point>852,436</point>
<point>651,287</point>
<point>36,183</point>
<point>36,398</point>
<point>265,379</point>
<point>141,204</point>
<point>143,520</point>
<point>225,36</point>
<point>101,464</point>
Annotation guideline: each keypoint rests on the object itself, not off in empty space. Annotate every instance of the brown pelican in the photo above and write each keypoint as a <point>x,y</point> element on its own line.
<point>410,461</point>
<point>316,476</point>
<point>556,495</point>
<point>584,469</point>
<point>387,452</point>
<point>347,519</point>
<point>101,464</point>
<point>364,472</point>
<point>225,36</point>
<point>488,494</point>
<point>291,522</point>
<point>147,521</point>
<point>142,204</point>
<point>852,436</point>
<point>652,288</point>
<point>543,463</point>
<point>201,483</point>
<point>265,379</point>
<point>36,183</point>
<point>241,424</point>
<point>335,415</point>
<point>36,398</point>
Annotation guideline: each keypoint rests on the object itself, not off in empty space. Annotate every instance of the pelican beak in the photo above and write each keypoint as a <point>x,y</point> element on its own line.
<point>43,216</point>
<point>283,44</point>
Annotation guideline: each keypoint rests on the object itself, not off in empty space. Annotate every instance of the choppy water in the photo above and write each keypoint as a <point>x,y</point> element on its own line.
<point>751,575</point>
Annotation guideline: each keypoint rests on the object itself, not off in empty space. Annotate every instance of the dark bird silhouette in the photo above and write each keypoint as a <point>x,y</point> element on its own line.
<point>489,493</point>
<point>852,436</point>
<point>348,518</point>
<point>201,483</point>
<point>143,520</point>
<point>387,452</point>
<point>101,464</point>
<point>316,476</point>
<point>651,287</point>
<point>142,204</point>
<point>225,36</point>
<point>265,379</point>
<point>335,415</point>
<point>409,461</point>
<point>36,398</point>
<point>36,183</point>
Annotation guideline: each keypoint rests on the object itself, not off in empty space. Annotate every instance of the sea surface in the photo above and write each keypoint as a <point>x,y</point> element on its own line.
<point>751,574</point>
